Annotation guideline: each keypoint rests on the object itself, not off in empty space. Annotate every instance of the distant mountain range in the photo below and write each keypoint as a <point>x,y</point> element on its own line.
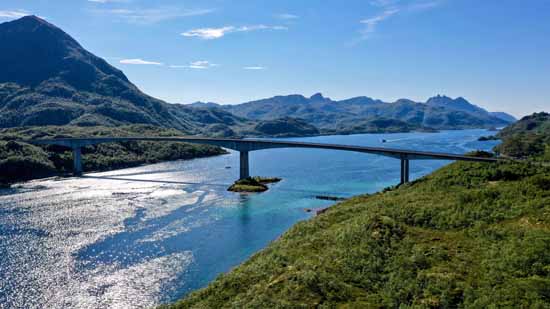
<point>48,78</point>
<point>367,114</point>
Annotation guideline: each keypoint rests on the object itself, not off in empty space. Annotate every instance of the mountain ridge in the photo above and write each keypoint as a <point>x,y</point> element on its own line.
<point>438,112</point>
<point>48,78</point>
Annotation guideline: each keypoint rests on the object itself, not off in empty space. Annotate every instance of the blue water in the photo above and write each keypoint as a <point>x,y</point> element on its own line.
<point>143,236</point>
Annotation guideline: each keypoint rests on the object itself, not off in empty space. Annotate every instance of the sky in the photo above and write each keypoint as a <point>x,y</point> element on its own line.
<point>494,53</point>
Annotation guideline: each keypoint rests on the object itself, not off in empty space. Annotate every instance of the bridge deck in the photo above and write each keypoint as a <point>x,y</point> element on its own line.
<point>247,145</point>
<point>244,146</point>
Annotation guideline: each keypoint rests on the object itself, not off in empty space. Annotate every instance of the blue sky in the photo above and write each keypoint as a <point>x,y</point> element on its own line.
<point>495,53</point>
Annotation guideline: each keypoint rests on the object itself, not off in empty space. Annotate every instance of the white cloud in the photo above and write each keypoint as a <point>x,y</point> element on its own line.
<point>390,9</point>
<point>140,62</point>
<point>371,23</point>
<point>255,68</point>
<point>13,14</point>
<point>200,64</point>
<point>149,16</point>
<point>286,16</point>
<point>209,33</point>
<point>216,33</point>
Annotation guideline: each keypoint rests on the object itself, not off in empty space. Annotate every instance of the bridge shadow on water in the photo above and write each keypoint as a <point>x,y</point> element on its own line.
<point>310,193</point>
<point>155,180</point>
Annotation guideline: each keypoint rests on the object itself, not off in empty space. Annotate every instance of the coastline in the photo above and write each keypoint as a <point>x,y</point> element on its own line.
<point>62,175</point>
<point>405,233</point>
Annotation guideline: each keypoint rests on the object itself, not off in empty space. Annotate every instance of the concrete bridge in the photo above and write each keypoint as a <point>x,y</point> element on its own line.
<point>244,146</point>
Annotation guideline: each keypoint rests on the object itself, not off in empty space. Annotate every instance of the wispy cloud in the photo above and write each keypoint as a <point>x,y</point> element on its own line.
<point>391,8</point>
<point>255,68</point>
<point>200,64</point>
<point>8,15</point>
<point>372,22</point>
<point>216,33</point>
<point>286,16</point>
<point>140,62</point>
<point>149,16</point>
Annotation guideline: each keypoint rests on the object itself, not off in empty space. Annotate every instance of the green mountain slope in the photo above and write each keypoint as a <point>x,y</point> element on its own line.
<point>48,78</point>
<point>469,235</point>
<point>530,136</point>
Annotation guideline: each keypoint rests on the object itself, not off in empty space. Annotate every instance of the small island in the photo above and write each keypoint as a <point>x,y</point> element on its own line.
<point>252,184</point>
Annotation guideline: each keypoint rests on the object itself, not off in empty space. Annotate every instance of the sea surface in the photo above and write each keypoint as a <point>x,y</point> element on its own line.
<point>144,236</point>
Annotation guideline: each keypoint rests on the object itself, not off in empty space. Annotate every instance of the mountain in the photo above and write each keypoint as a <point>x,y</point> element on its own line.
<point>48,78</point>
<point>351,115</point>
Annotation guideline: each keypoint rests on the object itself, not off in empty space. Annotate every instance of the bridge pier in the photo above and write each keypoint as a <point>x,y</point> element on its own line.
<point>405,171</point>
<point>77,161</point>
<point>244,167</point>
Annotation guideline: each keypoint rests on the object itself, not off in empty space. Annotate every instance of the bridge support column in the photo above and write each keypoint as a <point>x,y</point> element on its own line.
<point>77,161</point>
<point>244,168</point>
<point>405,172</point>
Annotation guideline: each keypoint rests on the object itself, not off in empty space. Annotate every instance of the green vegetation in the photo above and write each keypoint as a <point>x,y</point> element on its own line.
<point>381,125</point>
<point>529,137</point>
<point>284,127</point>
<point>488,138</point>
<point>253,184</point>
<point>470,234</point>
<point>22,161</point>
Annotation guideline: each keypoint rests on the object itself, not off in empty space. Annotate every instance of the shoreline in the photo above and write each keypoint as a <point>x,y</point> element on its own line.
<point>70,175</point>
<point>308,247</point>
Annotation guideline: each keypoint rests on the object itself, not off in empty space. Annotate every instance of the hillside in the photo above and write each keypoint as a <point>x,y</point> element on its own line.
<point>469,235</point>
<point>22,161</point>
<point>283,127</point>
<point>530,136</point>
<point>48,78</point>
<point>439,112</point>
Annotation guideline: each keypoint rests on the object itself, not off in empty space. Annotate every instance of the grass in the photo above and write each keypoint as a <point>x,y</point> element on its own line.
<point>469,235</point>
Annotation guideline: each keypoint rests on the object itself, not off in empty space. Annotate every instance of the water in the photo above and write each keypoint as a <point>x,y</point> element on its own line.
<point>148,235</point>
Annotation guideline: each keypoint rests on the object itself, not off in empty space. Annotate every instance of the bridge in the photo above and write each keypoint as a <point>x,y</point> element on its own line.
<point>244,146</point>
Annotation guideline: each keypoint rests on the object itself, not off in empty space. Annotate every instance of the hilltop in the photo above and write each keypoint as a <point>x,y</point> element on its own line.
<point>48,78</point>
